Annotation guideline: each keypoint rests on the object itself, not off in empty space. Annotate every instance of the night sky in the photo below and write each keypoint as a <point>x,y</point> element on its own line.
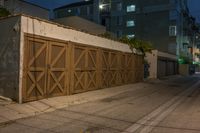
<point>194,5</point>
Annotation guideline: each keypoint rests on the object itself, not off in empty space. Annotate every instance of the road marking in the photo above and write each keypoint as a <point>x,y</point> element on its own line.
<point>160,113</point>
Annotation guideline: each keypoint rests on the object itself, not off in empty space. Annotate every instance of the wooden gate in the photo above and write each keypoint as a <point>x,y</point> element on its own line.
<point>84,67</point>
<point>45,69</point>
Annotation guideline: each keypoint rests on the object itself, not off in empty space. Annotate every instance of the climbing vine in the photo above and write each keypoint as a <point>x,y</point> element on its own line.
<point>140,45</point>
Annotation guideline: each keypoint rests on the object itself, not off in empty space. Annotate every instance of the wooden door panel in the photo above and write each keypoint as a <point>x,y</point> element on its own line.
<point>79,65</point>
<point>57,69</point>
<point>91,69</point>
<point>35,74</point>
<point>85,69</point>
<point>105,74</point>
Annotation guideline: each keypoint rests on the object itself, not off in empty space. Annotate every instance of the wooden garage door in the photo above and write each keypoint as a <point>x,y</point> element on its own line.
<point>110,68</point>
<point>58,65</point>
<point>84,67</point>
<point>139,68</point>
<point>105,74</point>
<point>130,67</point>
<point>45,69</point>
<point>122,77</point>
<point>161,68</point>
<point>114,68</point>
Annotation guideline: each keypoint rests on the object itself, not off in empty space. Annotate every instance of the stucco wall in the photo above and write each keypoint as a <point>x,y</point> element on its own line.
<point>152,59</point>
<point>9,57</point>
<point>47,29</point>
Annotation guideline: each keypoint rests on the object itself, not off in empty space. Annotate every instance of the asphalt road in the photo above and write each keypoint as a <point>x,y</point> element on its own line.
<point>171,105</point>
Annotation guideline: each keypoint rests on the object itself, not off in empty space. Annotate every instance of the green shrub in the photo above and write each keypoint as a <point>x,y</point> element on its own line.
<point>4,12</point>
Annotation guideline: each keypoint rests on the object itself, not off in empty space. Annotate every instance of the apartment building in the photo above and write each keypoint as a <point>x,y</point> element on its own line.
<point>97,11</point>
<point>84,9</point>
<point>1,3</point>
<point>161,22</point>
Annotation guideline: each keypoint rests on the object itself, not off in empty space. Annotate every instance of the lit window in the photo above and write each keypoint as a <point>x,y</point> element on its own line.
<point>172,31</point>
<point>130,8</point>
<point>131,36</point>
<point>119,6</point>
<point>130,23</point>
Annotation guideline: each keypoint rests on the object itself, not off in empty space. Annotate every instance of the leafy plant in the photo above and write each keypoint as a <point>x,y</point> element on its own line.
<point>140,45</point>
<point>184,59</point>
<point>4,12</point>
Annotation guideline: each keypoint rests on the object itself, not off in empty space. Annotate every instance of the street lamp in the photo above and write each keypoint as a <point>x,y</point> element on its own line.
<point>101,6</point>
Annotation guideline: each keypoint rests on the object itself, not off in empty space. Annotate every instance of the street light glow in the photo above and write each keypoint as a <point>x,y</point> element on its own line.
<point>101,6</point>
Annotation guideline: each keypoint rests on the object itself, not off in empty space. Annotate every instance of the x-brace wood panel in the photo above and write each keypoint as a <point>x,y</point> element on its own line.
<point>85,69</point>
<point>35,71</point>
<point>58,69</point>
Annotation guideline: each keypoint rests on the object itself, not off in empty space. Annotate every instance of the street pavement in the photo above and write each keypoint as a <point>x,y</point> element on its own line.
<point>169,105</point>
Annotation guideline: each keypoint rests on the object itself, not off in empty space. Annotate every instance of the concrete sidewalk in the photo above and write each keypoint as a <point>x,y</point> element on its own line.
<point>11,111</point>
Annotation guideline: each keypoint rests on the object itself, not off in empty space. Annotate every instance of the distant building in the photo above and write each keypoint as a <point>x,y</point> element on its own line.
<point>83,9</point>
<point>1,3</point>
<point>24,7</point>
<point>165,23</point>
<point>82,24</point>
<point>90,10</point>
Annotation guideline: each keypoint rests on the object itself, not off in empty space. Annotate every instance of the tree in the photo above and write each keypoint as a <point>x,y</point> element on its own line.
<point>4,12</point>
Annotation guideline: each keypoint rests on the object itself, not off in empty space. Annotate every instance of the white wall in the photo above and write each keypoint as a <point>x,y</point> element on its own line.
<point>48,29</point>
<point>152,59</point>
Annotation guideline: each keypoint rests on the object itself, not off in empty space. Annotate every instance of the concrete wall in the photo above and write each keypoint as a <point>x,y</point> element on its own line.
<point>19,6</point>
<point>82,24</point>
<point>9,57</point>
<point>153,60</point>
<point>47,29</point>
<point>184,69</point>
